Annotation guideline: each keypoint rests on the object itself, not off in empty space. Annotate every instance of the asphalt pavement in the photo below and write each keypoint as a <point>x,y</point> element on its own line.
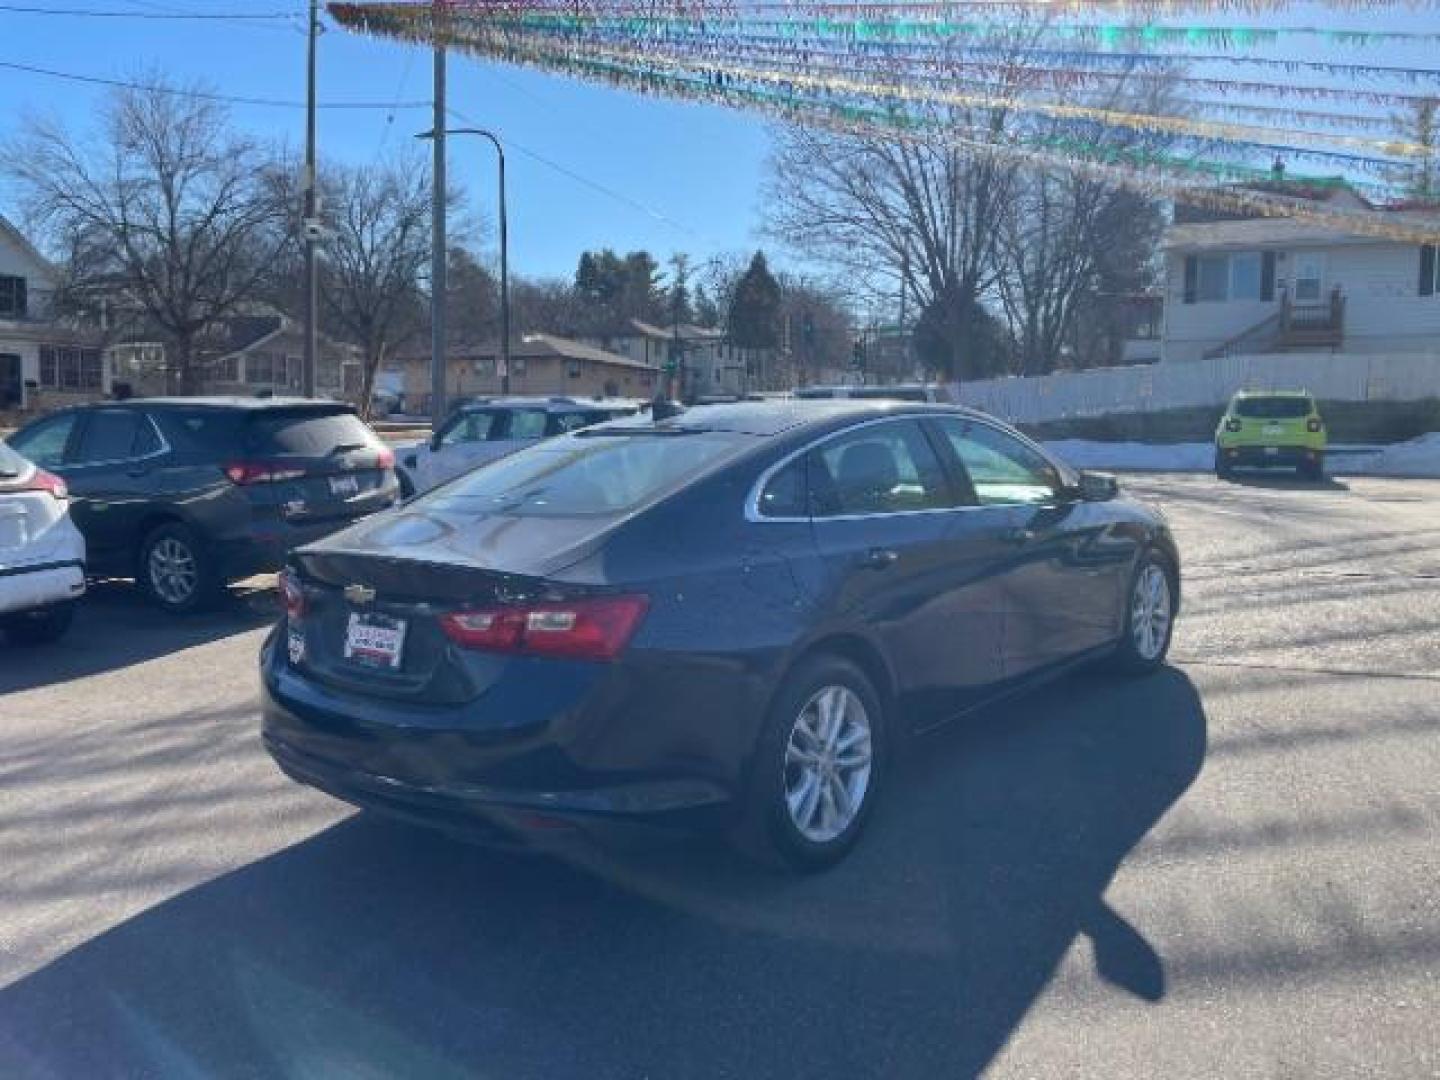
<point>1229,868</point>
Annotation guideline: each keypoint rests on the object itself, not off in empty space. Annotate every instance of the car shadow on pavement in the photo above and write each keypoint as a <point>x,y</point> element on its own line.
<point>115,627</point>
<point>377,949</point>
<point>1286,482</point>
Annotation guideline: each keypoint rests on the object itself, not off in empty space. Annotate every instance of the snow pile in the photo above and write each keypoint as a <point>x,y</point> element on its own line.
<point>1418,457</point>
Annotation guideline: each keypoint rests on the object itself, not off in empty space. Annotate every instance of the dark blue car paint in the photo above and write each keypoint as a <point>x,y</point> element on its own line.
<point>980,602</point>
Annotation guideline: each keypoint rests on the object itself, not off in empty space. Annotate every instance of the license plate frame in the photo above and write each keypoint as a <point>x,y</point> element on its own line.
<point>345,485</point>
<point>375,640</point>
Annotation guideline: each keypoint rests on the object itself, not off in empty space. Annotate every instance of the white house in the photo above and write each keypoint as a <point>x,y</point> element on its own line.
<point>40,360</point>
<point>711,364</point>
<point>1267,285</point>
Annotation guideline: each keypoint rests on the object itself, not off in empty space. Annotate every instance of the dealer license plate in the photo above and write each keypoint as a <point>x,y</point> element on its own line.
<point>374,640</point>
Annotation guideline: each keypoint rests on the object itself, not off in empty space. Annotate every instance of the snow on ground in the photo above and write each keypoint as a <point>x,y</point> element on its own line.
<point>1418,457</point>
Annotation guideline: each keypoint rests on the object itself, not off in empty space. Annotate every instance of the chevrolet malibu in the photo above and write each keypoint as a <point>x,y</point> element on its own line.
<point>727,619</point>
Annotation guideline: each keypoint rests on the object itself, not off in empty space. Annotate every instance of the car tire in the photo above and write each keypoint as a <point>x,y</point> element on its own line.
<point>817,767</point>
<point>1149,618</point>
<point>39,627</point>
<point>1313,470</point>
<point>1222,470</point>
<point>176,571</point>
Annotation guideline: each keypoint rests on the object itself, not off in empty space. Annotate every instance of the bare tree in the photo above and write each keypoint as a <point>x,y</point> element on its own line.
<point>163,203</point>
<point>1421,126</point>
<point>377,246</point>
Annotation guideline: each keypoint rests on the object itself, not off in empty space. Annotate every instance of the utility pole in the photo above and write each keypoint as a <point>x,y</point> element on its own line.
<point>311,225</point>
<point>504,279</point>
<point>438,245</point>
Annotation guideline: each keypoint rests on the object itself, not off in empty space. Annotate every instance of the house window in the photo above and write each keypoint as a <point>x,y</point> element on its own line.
<point>71,367</point>
<point>1430,270</point>
<point>13,303</point>
<point>264,369</point>
<point>227,369</point>
<point>1244,275</point>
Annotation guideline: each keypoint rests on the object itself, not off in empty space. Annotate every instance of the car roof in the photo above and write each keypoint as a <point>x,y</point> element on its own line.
<point>550,404</point>
<point>768,418</point>
<point>247,404</point>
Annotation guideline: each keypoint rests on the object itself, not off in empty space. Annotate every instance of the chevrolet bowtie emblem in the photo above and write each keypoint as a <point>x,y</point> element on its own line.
<point>359,594</point>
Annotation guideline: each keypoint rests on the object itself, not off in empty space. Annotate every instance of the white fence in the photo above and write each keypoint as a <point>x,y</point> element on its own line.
<point>1105,391</point>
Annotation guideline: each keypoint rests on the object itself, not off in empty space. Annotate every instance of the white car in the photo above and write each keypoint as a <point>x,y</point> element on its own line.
<point>482,431</point>
<point>42,554</point>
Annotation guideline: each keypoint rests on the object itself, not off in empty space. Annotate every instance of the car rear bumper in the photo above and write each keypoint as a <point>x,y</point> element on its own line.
<point>521,779</point>
<point>263,547</point>
<point>24,588</point>
<point>1277,456</point>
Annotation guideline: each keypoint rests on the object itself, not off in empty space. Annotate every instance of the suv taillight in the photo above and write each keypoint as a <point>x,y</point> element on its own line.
<point>385,459</point>
<point>1313,424</point>
<point>46,481</point>
<point>245,473</point>
<point>292,595</point>
<point>597,628</point>
<point>1232,424</point>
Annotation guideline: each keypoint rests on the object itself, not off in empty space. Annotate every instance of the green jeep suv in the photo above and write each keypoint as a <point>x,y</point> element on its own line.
<point>1271,428</point>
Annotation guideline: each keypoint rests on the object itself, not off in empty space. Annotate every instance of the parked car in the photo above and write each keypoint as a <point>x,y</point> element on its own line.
<point>900,392</point>
<point>489,428</point>
<point>1269,429</point>
<point>718,620</point>
<point>188,494</point>
<point>42,554</point>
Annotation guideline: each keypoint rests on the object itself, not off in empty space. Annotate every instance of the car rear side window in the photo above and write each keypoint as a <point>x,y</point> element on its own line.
<point>587,474</point>
<point>45,443</point>
<point>785,495</point>
<point>884,468</point>
<point>306,432</point>
<point>109,435</point>
<point>1273,408</point>
<point>213,433</point>
<point>469,427</point>
<point>1002,469</point>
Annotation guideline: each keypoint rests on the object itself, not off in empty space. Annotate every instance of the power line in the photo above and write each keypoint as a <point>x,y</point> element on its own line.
<point>205,95</point>
<point>97,13</point>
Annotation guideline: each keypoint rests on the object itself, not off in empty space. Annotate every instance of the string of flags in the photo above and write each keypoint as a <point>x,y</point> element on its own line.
<point>1135,101</point>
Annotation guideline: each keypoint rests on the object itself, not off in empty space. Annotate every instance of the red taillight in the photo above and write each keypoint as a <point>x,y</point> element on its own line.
<point>1313,424</point>
<point>597,628</point>
<point>259,472</point>
<point>385,459</point>
<point>292,595</point>
<point>1232,425</point>
<point>45,481</point>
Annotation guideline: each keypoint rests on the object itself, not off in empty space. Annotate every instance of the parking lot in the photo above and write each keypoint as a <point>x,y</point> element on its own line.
<point>1226,869</point>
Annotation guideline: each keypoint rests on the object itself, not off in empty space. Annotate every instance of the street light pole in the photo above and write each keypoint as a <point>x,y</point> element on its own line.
<point>438,246</point>
<point>438,134</point>
<point>310,225</point>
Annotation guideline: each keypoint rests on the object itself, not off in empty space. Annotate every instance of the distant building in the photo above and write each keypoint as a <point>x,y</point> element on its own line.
<point>247,355</point>
<point>709,363</point>
<point>540,364</point>
<point>44,360</point>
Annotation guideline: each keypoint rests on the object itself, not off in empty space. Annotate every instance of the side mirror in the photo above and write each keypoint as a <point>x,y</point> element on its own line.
<point>1098,487</point>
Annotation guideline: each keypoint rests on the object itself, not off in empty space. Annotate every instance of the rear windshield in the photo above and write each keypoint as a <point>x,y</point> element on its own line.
<point>1273,408</point>
<point>11,463</point>
<point>306,432</point>
<point>593,474</point>
<point>814,393</point>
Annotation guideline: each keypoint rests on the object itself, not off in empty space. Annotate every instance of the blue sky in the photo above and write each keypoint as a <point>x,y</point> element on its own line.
<point>666,176</point>
<point>589,166</point>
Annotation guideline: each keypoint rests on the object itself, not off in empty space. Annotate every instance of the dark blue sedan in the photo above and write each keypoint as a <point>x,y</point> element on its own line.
<point>725,619</point>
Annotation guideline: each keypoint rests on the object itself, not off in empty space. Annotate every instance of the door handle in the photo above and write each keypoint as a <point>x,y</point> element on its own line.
<point>1019,535</point>
<point>879,558</point>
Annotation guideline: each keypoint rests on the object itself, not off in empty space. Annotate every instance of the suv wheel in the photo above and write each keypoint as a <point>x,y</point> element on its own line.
<point>39,627</point>
<point>817,767</point>
<point>176,572</point>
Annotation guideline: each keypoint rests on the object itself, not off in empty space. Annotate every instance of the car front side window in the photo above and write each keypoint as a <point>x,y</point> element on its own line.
<point>886,468</point>
<point>1002,469</point>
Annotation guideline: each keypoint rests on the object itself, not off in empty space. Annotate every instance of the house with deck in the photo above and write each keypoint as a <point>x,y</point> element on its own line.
<point>1250,286</point>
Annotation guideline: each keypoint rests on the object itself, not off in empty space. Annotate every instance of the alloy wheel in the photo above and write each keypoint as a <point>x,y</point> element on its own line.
<point>174,571</point>
<point>828,760</point>
<point>1150,612</point>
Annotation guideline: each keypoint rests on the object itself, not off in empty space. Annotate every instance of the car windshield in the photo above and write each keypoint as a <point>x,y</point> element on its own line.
<point>1285,407</point>
<point>599,474</point>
